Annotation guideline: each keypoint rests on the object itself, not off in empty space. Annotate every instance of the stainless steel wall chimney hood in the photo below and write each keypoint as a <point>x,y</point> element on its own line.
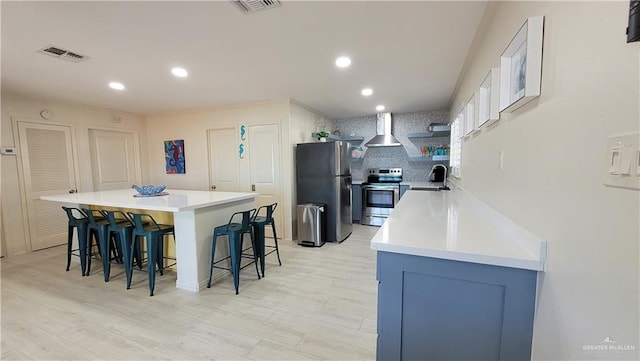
<point>384,138</point>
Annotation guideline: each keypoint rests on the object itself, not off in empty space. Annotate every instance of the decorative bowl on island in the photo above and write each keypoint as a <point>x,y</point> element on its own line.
<point>149,189</point>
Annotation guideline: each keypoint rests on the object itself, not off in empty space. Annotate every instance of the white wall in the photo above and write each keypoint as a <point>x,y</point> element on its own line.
<point>81,118</point>
<point>555,160</point>
<point>192,126</point>
<point>297,123</point>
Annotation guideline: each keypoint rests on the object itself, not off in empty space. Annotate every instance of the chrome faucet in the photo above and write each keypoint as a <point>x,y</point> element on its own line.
<point>444,181</point>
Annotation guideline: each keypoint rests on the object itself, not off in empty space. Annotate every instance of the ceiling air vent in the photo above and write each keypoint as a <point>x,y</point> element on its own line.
<point>249,6</point>
<point>62,54</point>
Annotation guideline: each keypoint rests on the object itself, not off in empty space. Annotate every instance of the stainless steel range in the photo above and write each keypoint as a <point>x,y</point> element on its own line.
<point>380,194</point>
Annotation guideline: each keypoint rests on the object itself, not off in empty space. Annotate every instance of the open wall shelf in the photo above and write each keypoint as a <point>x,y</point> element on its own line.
<point>435,158</point>
<point>355,140</point>
<point>438,131</point>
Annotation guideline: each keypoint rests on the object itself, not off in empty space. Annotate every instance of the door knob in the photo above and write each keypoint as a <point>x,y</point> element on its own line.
<point>72,191</point>
<point>213,187</point>
<point>253,187</point>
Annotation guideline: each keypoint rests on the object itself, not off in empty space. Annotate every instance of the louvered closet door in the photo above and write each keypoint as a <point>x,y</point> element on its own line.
<point>48,168</point>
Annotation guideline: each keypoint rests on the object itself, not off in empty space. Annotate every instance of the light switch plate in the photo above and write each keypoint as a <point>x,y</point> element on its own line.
<point>623,168</point>
<point>614,160</point>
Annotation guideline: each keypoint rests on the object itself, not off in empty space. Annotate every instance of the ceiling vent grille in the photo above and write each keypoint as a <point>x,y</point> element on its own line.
<point>62,54</point>
<point>249,6</point>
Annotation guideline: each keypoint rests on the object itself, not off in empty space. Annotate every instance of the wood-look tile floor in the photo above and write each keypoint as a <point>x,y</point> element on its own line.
<point>319,305</point>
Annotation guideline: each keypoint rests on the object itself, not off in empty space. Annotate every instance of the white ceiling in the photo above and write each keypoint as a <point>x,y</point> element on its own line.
<point>410,53</point>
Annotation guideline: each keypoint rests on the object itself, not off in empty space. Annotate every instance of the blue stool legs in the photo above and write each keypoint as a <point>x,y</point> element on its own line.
<point>151,265</point>
<point>235,233</point>
<point>154,257</point>
<point>77,219</point>
<point>83,231</point>
<point>124,234</point>
<point>70,246</point>
<point>213,256</point>
<point>260,241</point>
<point>130,252</point>
<point>263,217</point>
<point>275,240</point>
<point>104,242</point>
<point>235,254</point>
<point>154,234</point>
<point>258,229</point>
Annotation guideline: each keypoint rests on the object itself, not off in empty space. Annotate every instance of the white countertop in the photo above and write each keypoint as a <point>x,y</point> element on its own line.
<point>454,225</point>
<point>413,185</point>
<point>175,201</point>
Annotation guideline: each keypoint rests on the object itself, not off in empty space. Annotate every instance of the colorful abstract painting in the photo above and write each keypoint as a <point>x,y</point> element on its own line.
<point>174,156</point>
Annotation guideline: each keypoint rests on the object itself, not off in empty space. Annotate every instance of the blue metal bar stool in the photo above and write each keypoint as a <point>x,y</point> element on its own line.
<point>235,233</point>
<point>108,248</point>
<point>258,224</point>
<point>78,220</point>
<point>154,234</point>
<point>122,227</point>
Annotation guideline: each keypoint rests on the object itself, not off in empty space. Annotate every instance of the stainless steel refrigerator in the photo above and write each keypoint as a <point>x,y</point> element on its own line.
<point>323,175</point>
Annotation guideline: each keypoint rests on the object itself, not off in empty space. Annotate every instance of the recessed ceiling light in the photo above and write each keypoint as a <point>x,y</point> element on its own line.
<point>367,91</point>
<point>380,108</point>
<point>179,72</point>
<point>343,62</point>
<point>115,85</point>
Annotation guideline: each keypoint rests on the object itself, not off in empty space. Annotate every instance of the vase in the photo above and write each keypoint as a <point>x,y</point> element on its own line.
<point>323,139</point>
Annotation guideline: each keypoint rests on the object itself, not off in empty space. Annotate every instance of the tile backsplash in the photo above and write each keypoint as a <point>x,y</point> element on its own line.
<point>395,156</point>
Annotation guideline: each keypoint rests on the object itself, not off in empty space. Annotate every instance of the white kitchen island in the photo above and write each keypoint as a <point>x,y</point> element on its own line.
<point>195,214</point>
<point>457,280</point>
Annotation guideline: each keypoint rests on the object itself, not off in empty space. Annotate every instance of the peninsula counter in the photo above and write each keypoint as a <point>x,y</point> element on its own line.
<point>195,214</point>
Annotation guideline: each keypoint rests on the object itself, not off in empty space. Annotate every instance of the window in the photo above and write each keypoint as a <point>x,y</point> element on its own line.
<point>456,144</point>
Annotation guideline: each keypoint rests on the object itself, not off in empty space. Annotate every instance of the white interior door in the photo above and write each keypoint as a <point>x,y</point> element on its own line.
<point>113,159</point>
<point>264,164</point>
<point>224,165</point>
<point>48,167</point>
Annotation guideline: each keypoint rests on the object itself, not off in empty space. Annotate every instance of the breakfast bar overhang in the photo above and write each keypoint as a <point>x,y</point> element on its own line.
<point>195,214</point>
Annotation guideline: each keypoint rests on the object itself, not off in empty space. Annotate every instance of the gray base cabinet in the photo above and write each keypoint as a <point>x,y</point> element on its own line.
<point>356,203</point>
<point>435,309</point>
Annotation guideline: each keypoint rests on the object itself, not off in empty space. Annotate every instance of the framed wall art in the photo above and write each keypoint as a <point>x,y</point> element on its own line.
<point>488,98</point>
<point>174,156</point>
<point>521,66</point>
<point>470,116</point>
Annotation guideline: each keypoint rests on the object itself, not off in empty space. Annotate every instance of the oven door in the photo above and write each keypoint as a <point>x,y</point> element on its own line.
<point>378,203</point>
